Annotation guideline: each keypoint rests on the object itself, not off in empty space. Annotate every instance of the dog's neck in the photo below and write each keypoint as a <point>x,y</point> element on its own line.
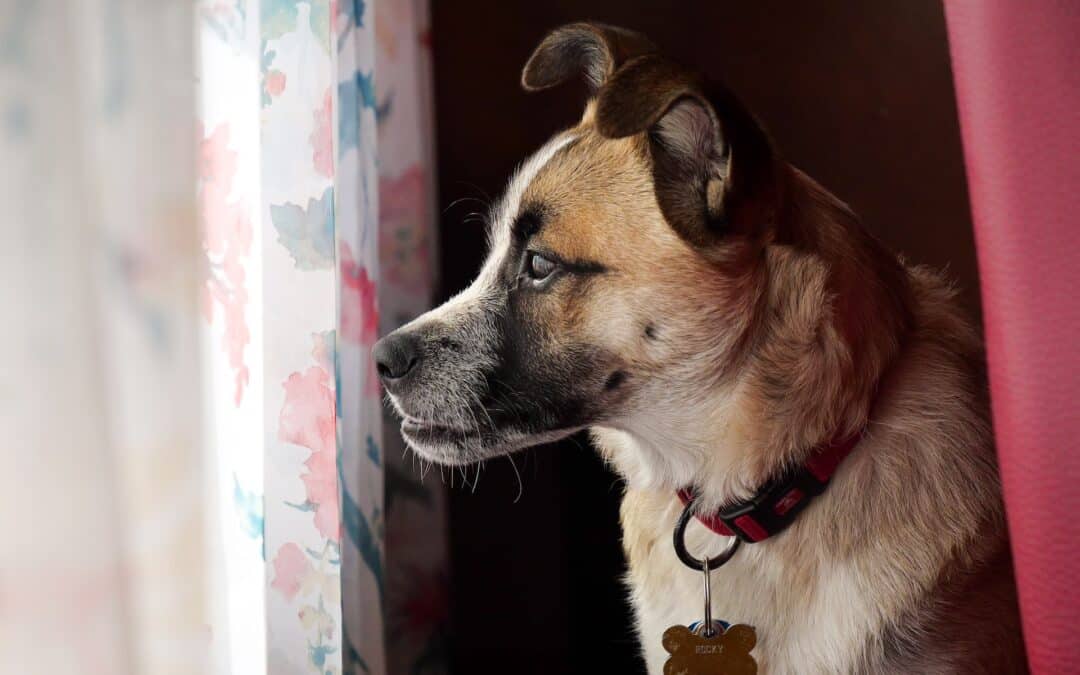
<point>831,314</point>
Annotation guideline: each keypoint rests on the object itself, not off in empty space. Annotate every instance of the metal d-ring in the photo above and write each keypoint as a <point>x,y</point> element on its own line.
<point>699,564</point>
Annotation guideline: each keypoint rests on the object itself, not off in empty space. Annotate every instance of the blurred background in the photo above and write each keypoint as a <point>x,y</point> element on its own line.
<point>213,209</point>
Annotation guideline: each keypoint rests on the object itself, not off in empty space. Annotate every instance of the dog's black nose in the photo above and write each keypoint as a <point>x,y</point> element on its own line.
<point>396,355</point>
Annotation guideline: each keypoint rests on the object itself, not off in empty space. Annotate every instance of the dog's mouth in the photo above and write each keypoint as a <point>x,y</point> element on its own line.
<point>455,445</point>
<point>446,443</point>
<point>429,431</point>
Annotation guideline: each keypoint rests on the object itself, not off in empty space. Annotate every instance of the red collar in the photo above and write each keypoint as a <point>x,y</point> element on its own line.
<point>778,502</point>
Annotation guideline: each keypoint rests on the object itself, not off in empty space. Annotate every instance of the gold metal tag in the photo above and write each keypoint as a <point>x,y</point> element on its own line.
<point>726,653</point>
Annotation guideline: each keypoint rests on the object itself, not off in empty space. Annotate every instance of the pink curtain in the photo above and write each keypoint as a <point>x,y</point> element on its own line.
<point>1017,71</point>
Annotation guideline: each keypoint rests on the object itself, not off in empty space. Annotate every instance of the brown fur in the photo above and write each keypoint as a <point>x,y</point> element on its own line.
<point>825,325</point>
<point>717,315</point>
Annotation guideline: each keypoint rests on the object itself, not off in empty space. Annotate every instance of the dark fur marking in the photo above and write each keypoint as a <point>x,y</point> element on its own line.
<point>449,343</point>
<point>584,267</point>
<point>536,386</point>
<point>615,379</point>
<point>593,49</point>
<point>528,222</point>
<point>650,331</point>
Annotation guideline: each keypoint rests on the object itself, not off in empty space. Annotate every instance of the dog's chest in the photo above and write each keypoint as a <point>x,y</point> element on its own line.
<point>807,619</point>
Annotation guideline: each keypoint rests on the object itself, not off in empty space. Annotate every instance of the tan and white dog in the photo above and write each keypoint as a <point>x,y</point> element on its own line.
<point>660,276</point>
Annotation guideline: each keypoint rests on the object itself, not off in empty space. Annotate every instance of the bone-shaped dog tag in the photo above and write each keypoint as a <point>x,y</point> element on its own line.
<point>725,652</point>
<point>711,647</point>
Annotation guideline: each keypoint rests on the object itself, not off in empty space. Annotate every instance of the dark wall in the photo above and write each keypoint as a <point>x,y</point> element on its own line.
<point>859,95</point>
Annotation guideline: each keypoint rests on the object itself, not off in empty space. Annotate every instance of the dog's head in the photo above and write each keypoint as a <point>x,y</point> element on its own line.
<point>626,266</point>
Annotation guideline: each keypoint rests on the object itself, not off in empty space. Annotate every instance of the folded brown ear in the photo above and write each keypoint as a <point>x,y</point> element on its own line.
<point>594,49</point>
<point>638,95</point>
<point>712,162</point>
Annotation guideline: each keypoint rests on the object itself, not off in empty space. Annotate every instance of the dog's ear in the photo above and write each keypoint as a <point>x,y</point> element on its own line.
<point>713,165</point>
<point>594,49</point>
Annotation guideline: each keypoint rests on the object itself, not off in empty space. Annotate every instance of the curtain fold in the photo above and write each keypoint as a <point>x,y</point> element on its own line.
<point>417,597</point>
<point>194,473</point>
<point>1018,92</point>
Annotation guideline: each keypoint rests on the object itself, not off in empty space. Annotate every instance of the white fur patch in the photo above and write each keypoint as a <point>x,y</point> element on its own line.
<point>510,204</point>
<point>499,237</point>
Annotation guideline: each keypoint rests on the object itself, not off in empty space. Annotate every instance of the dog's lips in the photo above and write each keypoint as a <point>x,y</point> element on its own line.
<point>441,443</point>
<point>426,431</point>
<point>456,446</point>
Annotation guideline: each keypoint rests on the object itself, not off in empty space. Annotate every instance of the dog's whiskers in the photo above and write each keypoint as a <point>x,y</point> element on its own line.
<point>475,217</point>
<point>476,481</point>
<point>461,200</point>
<point>521,485</point>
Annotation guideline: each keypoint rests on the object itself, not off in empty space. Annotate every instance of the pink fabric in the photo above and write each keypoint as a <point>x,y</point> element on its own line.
<point>1017,72</point>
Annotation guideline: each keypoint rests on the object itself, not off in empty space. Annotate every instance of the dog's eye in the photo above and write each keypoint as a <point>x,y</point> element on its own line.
<point>538,267</point>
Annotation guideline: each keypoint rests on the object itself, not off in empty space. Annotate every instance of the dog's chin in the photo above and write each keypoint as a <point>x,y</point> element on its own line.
<point>441,444</point>
<point>451,446</point>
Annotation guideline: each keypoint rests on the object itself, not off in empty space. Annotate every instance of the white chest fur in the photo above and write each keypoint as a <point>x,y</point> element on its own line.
<point>808,619</point>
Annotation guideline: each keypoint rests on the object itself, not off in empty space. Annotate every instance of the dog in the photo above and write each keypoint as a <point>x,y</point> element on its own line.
<point>660,276</point>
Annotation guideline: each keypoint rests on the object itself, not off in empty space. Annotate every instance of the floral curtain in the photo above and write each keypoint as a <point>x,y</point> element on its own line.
<point>417,567</point>
<point>197,259</point>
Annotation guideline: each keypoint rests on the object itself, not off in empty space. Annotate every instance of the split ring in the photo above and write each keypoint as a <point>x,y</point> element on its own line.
<point>699,564</point>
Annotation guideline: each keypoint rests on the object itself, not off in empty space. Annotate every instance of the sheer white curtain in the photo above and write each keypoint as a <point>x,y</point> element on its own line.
<point>102,566</point>
<point>192,469</point>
